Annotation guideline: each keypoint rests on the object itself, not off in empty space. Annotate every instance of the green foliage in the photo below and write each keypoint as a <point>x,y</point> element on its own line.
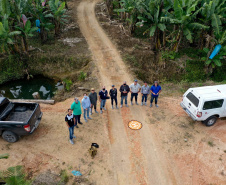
<point>68,84</point>
<point>58,14</point>
<point>14,176</point>
<point>218,59</point>
<point>82,76</point>
<point>4,156</point>
<point>170,55</point>
<point>11,68</point>
<point>219,73</point>
<point>64,176</point>
<point>195,71</point>
<point>170,21</point>
<point>14,35</point>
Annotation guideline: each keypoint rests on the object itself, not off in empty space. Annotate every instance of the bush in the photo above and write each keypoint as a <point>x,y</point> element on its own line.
<point>82,76</point>
<point>14,175</point>
<point>219,73</point>
<point>68,84</point>
<point>195,71</point>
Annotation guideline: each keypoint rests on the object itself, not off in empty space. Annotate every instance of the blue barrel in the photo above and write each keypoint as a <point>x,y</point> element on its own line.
<point>215,51</point>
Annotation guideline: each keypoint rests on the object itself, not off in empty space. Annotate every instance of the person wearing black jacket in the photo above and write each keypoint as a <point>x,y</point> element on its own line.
<point>124,89</point>
<point>113,94</point>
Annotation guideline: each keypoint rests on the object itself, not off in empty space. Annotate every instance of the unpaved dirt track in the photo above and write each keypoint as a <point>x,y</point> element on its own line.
<point>136,157</point>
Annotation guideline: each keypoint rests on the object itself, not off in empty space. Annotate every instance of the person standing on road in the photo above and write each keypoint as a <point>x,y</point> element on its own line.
<point>70,121</point>
<point>93,100</point>
<point>77,111</point>
<point>145,91</point>
<point>103,96</point>
<point>86,104</point>
<point>155,91</point>
<point>113,94</point>
<point>124,89</point>
<point>134,89</point>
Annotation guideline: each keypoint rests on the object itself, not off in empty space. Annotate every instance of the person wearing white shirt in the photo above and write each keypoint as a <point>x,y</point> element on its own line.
<point>134,89</point>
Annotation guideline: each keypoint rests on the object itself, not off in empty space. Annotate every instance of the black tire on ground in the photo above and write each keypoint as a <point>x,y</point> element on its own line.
<point>210,121</point>
<point>10,137</point>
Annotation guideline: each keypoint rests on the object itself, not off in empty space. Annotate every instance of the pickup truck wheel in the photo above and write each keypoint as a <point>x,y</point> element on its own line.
<point>210,121</point>
<point>10,137</point>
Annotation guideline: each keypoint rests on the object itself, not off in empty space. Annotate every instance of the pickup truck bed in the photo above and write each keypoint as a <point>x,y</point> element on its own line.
<point>19,116</point>
<point>17,119</point>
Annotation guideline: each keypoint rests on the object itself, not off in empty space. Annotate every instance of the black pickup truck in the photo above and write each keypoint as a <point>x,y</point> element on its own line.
<point>17,119</point>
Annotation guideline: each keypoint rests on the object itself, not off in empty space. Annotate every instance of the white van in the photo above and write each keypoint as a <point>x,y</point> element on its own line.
<point>205,104</point>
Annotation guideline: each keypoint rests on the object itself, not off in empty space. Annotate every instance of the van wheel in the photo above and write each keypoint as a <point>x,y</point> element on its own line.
<point>10,137</point>
<point>210,121</point>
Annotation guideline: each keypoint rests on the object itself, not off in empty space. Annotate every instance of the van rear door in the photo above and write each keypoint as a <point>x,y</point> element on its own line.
<point>191,102</point>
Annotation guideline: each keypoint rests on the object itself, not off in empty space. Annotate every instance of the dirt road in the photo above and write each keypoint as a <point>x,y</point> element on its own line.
<point>169,149</point>
<point>135,154</point>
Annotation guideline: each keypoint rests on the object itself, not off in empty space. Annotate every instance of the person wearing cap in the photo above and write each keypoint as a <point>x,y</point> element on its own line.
<point>86,104</point>
<point>93,100</point>
<point>103,96</point>
<point>145,91</point>
<point>124,89</point>
<point>134,89</point>
<point>77,111</point>
<point>155,91</point>
<point>113,94</point>
<point>70,121</point>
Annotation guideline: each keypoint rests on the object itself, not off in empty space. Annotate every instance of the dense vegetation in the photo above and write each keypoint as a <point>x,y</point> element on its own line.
<point>20,19</point>
<point>173,25</point>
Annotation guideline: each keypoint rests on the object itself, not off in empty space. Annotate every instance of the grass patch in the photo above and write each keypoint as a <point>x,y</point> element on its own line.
<point>82,76</point>
<point>14,175</point>
<point>210,143</point>
<point>64,176</point>
<point>4,156</point>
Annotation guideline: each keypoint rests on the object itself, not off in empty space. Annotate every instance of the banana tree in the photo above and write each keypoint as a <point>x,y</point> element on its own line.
<point>151,16</point>
<point>7,37</point>
<point>5,7</point>
<point>26,31</point>
<point>132,9</point>
<point>184,18</point>
<point>58,13</point>
<point>212,14</point>
<point>19,7</point>
<point>42,13</point>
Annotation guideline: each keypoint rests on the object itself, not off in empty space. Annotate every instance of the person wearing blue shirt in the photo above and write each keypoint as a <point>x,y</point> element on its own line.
<point>155,91</point>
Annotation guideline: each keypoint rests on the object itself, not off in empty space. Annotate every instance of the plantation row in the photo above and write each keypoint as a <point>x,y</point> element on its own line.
<point>20,19</point>
<point>169,23</point>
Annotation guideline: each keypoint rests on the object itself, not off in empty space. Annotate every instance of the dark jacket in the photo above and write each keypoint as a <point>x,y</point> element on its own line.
<point>124,88</point>
<point>93,98</point>
<point>113,93</point>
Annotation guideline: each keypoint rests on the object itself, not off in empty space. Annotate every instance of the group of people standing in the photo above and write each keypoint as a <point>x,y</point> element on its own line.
<point>89,102</point>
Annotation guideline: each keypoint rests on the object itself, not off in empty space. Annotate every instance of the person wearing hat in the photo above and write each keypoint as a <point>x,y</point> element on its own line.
<point>77,111</point>
<point>145,91</point>
<point>124,89</point>
<point>93,100</point>
<point>86,104</point>
<point>134,89</point>
<point>113,95</point>
<point>155,91</point>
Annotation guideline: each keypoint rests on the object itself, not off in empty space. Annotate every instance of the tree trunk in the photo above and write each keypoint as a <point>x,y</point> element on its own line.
<point>57,28</point>
<point>180,38</point>
<point>164,39</point>
<point>110,7</point>
<point>43,35</point>
<point>25,43</point>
